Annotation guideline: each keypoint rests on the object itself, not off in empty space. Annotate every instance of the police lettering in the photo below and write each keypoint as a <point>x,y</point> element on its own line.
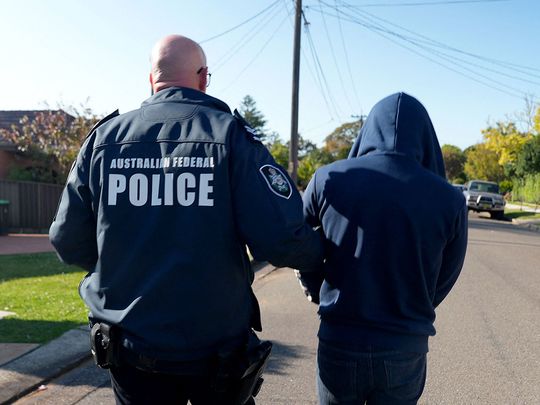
<point>162,189</point>
<point>158,163</point>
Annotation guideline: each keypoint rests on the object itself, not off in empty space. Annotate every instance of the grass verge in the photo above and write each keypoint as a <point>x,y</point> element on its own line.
<point>42,292</point>
<point>518,214</point>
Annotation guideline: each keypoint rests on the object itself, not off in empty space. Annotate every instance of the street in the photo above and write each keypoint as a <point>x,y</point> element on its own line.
<point>487,348</point>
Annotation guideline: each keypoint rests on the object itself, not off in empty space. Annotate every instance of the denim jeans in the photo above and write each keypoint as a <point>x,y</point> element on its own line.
<point>359,375</point>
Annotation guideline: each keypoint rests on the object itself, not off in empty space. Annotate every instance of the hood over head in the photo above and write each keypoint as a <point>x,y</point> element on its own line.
<point>399,124</point>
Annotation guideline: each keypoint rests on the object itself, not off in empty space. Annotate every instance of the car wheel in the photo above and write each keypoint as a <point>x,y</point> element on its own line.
<point>497,215</point>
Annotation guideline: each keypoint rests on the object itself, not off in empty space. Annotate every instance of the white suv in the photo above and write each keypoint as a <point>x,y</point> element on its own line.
<point>484,196</point>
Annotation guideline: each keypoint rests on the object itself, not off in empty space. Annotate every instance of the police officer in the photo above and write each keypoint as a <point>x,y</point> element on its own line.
<point>159,208</point>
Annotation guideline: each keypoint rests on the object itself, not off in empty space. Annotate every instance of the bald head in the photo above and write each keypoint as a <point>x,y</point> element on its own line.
<point>175,61</point>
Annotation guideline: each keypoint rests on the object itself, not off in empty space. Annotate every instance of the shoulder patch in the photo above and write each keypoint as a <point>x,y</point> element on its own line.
<point>277,181</point>
<point>252,134</point>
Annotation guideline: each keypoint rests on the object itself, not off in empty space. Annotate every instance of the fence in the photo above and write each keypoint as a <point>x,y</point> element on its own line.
<point>32,205</point>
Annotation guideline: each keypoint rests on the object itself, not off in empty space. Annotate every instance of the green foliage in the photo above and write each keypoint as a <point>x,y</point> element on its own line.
<point>507,142</point>
<point>482,164</point>
<point>51,140</point>
<point>280,153</point>
<point>255,118</point>
<point>527,189</point>
<point>454,162</point>
<point>506,186</point>
<point>310,163</point>
<point>42,292</point>
<point>340,141</point>
<point>528,161</point>
<point>537,121</point>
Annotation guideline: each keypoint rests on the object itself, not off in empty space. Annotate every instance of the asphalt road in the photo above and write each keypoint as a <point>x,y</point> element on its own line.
<point>487,349</point>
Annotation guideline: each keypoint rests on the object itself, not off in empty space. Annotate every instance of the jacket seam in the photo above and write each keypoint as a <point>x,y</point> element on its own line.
<point>156,141</point>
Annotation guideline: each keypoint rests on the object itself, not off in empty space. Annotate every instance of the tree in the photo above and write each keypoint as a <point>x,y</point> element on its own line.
<point>482,164</point>
<point>52,140</point>
<point>280,153</point>
<point>254,117</point>
<point>340,141</point>
<point>506,141</point>
<point>537,121</point>
<point>454,162</point>
<point>310,163</point>
<point>528,161</point>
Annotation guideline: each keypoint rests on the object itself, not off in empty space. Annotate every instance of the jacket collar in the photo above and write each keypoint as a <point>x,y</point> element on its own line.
<point>186,95</point>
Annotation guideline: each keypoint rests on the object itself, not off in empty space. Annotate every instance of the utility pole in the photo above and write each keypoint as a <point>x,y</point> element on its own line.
<point>293,150</point>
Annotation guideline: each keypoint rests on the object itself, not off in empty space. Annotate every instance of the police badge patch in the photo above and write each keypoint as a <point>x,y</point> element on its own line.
<point>277,181</point>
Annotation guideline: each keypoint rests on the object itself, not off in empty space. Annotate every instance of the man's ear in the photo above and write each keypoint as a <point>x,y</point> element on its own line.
<point>151,84</point>
<point>202,80</point>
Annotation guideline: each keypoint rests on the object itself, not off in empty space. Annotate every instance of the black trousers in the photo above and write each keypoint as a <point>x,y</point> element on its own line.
<point>135,387</point>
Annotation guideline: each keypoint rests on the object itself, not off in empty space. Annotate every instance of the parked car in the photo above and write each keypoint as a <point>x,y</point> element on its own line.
<point>459,187</point>
<point>484,196</point>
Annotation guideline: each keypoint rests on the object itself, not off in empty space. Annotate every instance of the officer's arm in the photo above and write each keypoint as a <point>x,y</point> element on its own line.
<point>453,258</point>
<point>311,281</point>
<point>268,208</point>
<point>73,231</point>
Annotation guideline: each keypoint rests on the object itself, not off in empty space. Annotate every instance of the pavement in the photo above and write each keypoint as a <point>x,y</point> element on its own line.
<point>15,243</point>
<point>531,224</point>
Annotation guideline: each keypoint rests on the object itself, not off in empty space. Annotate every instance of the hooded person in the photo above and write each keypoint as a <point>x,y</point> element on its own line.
<point>396,235</point>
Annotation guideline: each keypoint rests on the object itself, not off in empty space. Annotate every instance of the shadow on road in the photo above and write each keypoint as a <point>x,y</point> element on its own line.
<point>283,357</point>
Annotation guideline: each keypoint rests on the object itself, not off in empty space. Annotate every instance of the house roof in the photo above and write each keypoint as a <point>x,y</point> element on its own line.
<point>13,117</point>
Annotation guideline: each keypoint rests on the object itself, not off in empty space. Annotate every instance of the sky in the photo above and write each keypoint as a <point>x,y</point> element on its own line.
<point>470,62</point>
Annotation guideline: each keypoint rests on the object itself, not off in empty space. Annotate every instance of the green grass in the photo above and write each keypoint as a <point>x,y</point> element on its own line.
<point>515,214</point>
<point>42,292</point>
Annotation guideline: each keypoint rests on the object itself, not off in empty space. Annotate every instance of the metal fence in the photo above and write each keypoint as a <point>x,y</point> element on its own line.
<point>32,205</point>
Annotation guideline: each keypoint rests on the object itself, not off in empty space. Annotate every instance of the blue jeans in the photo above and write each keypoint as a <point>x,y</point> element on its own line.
<point>369,375</point>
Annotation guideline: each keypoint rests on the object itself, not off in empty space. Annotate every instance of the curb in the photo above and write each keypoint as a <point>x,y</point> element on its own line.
<point>22,375</point>
<point>530,225</point>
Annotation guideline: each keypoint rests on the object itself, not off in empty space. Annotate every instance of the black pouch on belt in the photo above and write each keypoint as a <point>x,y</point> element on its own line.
<point>103,341</point>
<point>239,372</point>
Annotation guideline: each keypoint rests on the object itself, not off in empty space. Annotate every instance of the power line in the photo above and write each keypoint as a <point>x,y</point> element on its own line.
<point>320,70</point>
<point>340,76</point>
<point>241,24</point>
<point>426,45</point>
<point>247,38</point>
<point>505,64</point>
<point>257,54</point>
<point>314,76</point>
<point>355,91</point>
<point>451,58</point>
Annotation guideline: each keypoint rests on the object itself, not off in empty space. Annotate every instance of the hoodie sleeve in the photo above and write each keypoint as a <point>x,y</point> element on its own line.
<point>453,258</point>
<point>311,279</point>
<point>73,231</point>
<point>268,208</point>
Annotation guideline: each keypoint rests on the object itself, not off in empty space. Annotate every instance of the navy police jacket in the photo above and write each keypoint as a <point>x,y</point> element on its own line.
<point>159,207</point>
<point>396,230</point>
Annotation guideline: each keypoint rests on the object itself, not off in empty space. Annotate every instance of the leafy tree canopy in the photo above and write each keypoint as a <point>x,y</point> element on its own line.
<point>340,141</point>
<point>454,161</point>
<point>482,164</point>
<point>254,117</point>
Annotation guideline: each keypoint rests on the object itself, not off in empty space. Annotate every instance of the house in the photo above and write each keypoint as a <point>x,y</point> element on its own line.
<point>9,157</point>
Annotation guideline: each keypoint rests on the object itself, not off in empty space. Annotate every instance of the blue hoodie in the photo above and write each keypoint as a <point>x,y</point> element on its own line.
<point>396,231</point>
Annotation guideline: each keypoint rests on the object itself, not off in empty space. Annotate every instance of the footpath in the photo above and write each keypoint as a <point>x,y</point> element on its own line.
<point>531,224</point>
